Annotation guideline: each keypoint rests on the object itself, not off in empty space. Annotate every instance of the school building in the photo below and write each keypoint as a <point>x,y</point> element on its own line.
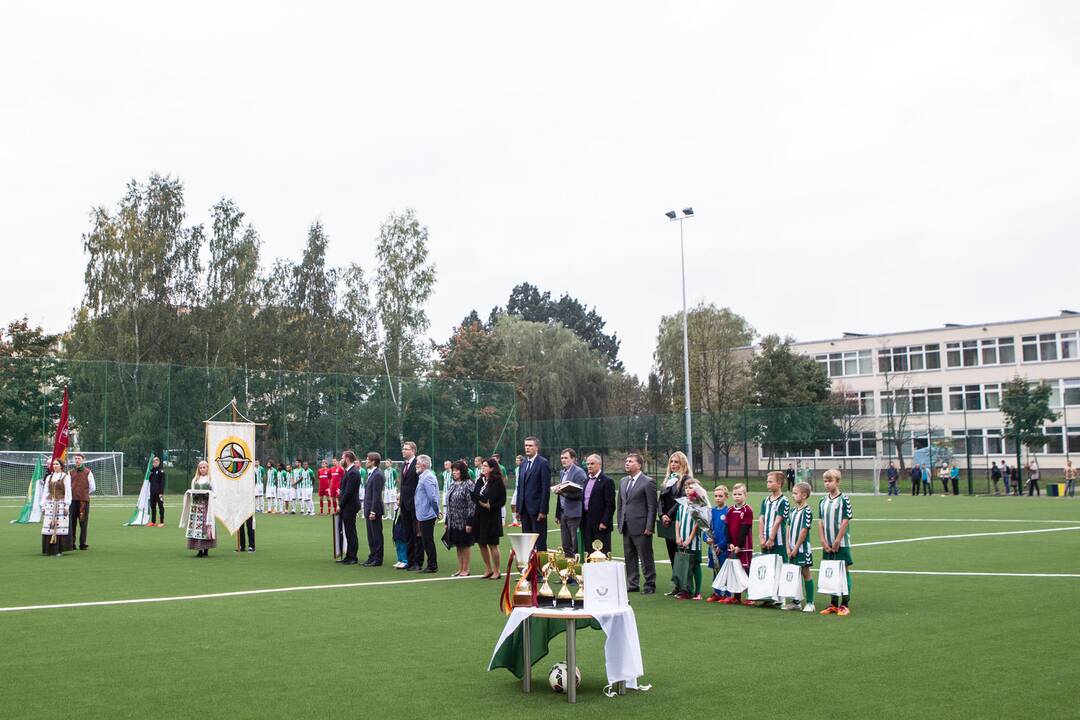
<point>949,379</point>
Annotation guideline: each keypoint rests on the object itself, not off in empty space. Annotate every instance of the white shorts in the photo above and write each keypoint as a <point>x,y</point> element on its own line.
<point>271,493</point>
<point>287,494</point>
<point>305,493</point>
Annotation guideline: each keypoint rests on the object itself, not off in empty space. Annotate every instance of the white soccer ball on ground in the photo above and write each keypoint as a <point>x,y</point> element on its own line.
<point>557,677</point>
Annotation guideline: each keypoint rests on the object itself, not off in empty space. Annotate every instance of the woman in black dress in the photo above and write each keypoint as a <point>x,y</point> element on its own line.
<point>460,511</point>
<point>490,496</point>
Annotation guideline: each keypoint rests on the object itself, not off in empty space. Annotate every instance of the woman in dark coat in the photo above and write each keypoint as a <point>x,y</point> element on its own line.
<point>489,493</point>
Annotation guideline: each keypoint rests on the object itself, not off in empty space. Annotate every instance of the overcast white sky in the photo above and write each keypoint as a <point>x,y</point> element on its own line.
<point>854,166</point>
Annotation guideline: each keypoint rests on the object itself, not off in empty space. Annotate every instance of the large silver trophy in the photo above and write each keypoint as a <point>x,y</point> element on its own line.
<point>523,544</point>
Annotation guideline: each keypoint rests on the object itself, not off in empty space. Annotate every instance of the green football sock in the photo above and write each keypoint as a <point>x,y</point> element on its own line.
<point>808,589</point>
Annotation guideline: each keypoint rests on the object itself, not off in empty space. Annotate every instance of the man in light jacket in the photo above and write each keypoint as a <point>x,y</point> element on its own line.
<point>568,509</point>
<point>426,502</point>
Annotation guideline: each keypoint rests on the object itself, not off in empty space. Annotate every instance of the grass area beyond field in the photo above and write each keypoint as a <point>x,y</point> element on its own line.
<point>985,637</point>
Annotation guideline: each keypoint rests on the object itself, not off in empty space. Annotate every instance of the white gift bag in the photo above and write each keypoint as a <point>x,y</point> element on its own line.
<point>764,577</point>
<point>605,586</point>
<point>791,584</point>
<point>832,578</point>
<point>735,580</point>
<point>720,582</point>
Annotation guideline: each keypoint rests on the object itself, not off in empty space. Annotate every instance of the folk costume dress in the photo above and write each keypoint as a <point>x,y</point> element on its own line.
<point>55,501</point>
<point>198,515</point>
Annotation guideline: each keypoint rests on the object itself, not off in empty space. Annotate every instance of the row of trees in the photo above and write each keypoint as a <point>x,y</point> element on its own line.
<point>162,289</point>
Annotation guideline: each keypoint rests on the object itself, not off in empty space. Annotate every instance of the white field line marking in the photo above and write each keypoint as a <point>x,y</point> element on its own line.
<point>236,593</point>
<point>964,574</point>
<point>932,537</point>
<point>377,583</point>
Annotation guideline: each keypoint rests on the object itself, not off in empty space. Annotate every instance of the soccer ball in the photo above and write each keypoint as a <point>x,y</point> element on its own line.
<point>557,677</point>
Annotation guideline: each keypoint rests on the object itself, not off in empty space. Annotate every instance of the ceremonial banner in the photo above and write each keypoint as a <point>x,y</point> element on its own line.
<point>31,509</point>
<point>231,448</point>
<point>141,516</point>
<point>60,441</point>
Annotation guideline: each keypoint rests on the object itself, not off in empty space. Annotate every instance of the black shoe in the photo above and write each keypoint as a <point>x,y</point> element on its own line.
<point>414,568</point>
<point>631,590</point>
<point>647,591</point>
<point>367,563</point>
<point>84,547</point>
<point>429,571</point>
<point>349,562</point>
<point>251,549</point>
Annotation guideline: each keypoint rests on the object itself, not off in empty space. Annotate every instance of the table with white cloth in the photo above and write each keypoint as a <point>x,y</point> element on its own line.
<point>528,631</point>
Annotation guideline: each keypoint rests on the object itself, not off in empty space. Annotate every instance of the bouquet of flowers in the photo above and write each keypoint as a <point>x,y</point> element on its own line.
<point>697,501</point>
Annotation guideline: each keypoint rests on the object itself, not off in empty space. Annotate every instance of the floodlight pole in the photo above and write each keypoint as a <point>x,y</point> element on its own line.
<point>685,341</point>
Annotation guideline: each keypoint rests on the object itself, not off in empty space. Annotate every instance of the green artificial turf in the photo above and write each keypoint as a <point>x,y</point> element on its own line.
<point>914,646</point>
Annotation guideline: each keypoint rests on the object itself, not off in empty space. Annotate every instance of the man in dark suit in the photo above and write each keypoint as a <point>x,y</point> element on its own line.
<point>637,515</point>
<point>599,502</point>
<point>568,505</point>
<point>349,505</point>
<point>534,493</point>
<point>373,510</point>
<point>407,502</point>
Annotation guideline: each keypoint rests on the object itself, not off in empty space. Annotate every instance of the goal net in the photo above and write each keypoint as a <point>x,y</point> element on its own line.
<point>17,469</point>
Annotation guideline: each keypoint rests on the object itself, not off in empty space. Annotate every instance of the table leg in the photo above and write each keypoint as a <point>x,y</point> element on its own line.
<point>526,678</point>
<point>571,661</point>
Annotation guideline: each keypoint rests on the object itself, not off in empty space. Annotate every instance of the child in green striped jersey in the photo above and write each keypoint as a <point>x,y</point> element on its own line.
<point>688,540</point>
<point>773,519</point>
<point>798,545</point>
<point>835,513</point>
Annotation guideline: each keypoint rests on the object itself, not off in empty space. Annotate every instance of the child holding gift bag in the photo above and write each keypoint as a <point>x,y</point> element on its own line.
<point>740,527</point>
<point>798,545</point>
<point>835,513</point>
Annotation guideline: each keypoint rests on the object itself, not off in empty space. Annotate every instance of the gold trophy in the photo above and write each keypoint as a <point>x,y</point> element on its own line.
<point>597,555</point>
<point>564,575</point>
<point>546,569</point>
<point>579,575</point>
<point>523,544</point>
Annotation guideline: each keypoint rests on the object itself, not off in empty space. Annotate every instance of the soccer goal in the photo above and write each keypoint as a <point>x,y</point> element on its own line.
<point>17,469</point>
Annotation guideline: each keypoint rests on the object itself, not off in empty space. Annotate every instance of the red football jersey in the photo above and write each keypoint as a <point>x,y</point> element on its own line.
<point>335,476</point>
<point>324,477</point>
<point>740,526</point>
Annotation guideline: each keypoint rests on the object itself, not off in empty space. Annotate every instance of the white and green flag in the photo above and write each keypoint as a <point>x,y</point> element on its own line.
<point>31,509</point>
<point>141,516</point>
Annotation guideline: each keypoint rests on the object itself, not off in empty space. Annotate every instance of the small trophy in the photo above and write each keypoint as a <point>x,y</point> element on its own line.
<point>547,568</point>
<point>564,575</point>
<point>597,555</point>
<point>579,576</point>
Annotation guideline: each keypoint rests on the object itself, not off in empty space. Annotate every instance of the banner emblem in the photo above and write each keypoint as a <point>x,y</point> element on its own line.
<point>233,457</point>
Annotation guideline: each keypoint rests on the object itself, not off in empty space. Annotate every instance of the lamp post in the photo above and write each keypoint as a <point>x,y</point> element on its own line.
<point>687,213</point>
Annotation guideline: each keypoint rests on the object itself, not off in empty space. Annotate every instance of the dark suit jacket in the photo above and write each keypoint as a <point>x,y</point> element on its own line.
<point>157,480</point>
<point>534,487</point>
<point>349,494</point>
<point>601,504</point>
<point>407,491</point>
<point>373,493</point>
<point>637,507</point>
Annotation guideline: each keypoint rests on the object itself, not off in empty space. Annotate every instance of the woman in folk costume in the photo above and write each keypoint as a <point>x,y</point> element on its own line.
<point>198,513</point>
<point>55,500</point>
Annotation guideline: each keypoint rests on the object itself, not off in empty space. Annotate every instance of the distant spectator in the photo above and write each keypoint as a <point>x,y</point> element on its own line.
<point>1070,479</point>
<point>954,477</point>
<point>789,476</point>
<point>916,479</point>
<point>1006,476</point>
<point>927,480</point>
<point>893,476</point>
<point>995,476</point>
<point>943,476</point>
<point>1033,477</point>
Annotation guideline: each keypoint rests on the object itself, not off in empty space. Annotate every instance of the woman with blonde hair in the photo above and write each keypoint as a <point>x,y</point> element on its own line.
<point>673,488</point>
<point>198,513</point>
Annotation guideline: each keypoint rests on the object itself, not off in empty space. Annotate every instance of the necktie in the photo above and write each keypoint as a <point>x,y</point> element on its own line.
<point>528,466</point>
<point>630,485</point>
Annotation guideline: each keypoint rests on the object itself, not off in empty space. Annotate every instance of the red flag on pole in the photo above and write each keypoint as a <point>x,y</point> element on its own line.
<point>60,442</point>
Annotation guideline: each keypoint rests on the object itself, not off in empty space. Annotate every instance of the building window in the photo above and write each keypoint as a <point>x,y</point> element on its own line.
<point>994,445</point>
<point>1050,346</point>
<point>992,396</point>
<point>1073,439</point>
<point>1054,440</point>
<point>973,353</point>
<point>965,397</point>
<point>1071,391</point>
<point>921,396</point>
<point>913,358</point>
<point>846,364</point>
